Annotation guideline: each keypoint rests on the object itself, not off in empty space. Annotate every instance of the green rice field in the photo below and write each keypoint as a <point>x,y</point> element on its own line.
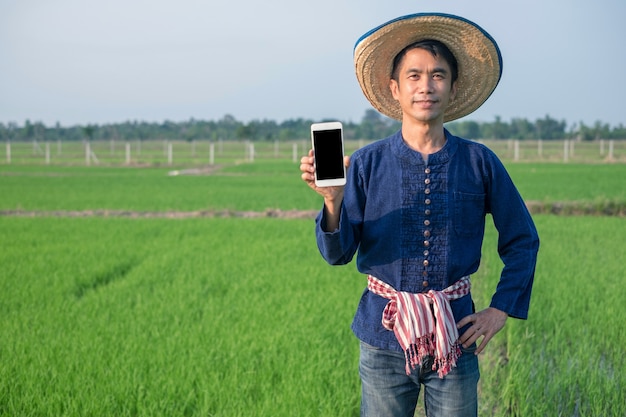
<point>106,313</point>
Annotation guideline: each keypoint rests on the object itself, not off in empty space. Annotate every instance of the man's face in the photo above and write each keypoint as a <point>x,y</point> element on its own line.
<point>423,88</point>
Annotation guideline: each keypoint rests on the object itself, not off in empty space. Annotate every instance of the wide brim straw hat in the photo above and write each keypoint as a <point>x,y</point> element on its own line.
<point>477,54</point>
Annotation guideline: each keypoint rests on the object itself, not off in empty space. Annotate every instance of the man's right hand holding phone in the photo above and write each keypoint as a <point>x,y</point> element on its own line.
<point>333,196</point>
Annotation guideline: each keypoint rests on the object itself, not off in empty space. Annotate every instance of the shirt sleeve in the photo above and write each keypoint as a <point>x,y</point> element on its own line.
<point>338,247</point>
<point>518,244</point>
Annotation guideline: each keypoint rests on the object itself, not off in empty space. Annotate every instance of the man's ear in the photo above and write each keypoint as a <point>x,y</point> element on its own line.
<point>453,91</point>
<point>394,87</point>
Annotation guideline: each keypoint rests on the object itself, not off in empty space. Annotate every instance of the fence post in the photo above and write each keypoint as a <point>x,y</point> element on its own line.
<point>276,149</point>
<point>211,153</point>
<point>87,154</point>
<point>170,153</point>
<point>127,153</point>
<point>251,151</point>
<point>565,150</point>
<point>295,152</point>
<point>540,148</point>
<point>47,153</point>
<point>516,150</point>
<point>93,156</point>
<point>59,146</point>
<point>611,144</point>
<point>8,152</point>
<point>36,148</point>
<point>601,147</point>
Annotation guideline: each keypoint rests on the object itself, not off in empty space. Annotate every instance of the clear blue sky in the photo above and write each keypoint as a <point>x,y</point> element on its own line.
<point>97,61</point>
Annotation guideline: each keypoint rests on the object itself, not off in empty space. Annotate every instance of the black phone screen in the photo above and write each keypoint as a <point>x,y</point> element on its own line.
<point>328,154</point>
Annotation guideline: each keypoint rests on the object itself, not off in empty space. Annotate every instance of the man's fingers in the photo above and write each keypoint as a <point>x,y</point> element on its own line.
<point>470,336</point>
<point>484,324</point>
<point>482,345</point>
<point>465,320</point>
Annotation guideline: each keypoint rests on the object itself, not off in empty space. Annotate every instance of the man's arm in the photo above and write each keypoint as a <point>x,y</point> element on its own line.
<point>518,244</point>
<point>333,196</point>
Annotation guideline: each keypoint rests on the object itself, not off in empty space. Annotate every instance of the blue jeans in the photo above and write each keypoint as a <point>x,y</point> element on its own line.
<point>387,391</point>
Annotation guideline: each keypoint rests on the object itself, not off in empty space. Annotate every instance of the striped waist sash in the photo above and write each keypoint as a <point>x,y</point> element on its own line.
<point>421,330</point>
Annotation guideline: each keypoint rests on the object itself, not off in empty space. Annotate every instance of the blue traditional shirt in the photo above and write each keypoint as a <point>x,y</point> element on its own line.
<point>419,225</point>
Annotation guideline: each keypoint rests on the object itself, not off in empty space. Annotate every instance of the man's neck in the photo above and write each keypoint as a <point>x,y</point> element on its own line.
<point>425,138</point>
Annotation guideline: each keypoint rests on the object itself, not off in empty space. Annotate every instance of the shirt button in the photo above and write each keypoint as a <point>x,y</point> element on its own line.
<point>427,171</point>
<point>427,181</point>
<point>426,243</point>
<point>426,222</point>
<point>425,284</point>
<point>426,253</point>
<point>426,233</point>
<point>427,212</point>
<point>425,262</point>
<point>427,191</point>
<point>427,201</point>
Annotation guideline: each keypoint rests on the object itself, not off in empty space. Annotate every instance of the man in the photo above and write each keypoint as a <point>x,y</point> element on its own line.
<point>414,208</point>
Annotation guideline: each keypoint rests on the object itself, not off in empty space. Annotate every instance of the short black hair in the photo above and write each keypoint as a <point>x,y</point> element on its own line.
<point>436,48</point>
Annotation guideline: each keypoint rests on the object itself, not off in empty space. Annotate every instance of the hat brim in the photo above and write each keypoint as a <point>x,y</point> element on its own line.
<point>477,54</point>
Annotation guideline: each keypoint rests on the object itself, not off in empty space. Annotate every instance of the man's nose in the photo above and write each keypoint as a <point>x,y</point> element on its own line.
<point>425,85</point>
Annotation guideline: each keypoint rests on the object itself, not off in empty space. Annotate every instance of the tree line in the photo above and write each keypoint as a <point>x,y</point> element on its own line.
<point>371,127</point>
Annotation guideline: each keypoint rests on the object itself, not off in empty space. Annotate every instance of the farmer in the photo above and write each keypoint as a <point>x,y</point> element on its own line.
<point>414,208</point>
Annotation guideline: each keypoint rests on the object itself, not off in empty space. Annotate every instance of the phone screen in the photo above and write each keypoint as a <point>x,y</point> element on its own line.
<point>328,154</point>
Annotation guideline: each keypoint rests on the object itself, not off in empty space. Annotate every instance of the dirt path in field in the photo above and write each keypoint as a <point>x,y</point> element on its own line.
<point>270,213</point>
<point>535,207</point>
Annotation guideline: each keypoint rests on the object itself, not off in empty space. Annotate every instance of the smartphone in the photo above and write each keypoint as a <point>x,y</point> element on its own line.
<point>327,141</point>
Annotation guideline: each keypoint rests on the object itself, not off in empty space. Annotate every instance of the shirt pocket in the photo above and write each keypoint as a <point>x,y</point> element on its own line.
<point>469,214</point>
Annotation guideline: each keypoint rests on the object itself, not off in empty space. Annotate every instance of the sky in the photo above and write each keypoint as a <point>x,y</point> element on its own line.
<point>84,61</point>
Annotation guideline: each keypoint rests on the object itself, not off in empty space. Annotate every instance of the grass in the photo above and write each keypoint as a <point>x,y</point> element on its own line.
<point>233,317</point>
<point>569,353</point>
<point>258,186</point>
<point>152,317</point>
<point>223,316</point>
<point>242,187</point>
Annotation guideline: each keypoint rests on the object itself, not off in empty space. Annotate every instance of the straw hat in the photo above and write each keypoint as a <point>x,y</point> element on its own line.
<point>477,54</point>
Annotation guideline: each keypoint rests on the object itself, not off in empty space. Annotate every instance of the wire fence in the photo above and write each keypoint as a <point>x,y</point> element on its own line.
<point>201,153</point>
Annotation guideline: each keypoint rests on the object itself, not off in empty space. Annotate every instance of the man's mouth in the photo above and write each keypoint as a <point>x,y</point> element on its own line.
<point>425,103</point>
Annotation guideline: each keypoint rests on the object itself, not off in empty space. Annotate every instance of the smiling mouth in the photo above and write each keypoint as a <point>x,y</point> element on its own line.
<point>425,103</point>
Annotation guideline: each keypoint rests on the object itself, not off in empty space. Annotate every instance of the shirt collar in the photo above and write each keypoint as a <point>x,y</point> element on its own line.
<point>402,150</point>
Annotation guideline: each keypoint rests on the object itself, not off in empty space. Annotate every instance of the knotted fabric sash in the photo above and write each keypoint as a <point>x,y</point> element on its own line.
<point>420,330</point>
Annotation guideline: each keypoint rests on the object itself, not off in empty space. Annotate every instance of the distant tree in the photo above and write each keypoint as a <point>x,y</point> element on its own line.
<point>466,129</point>
<point>372,126</point>
<point>522,129</point>
<point>243,132</point>
<point>549,128</point>
<point>28,131</point>
<point>375,126</point>
<point>618,132</point>
<point>89,131</point>
<point>500,130</point>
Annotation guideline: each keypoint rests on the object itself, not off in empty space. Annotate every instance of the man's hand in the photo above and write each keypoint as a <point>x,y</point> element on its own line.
<point>307,167</point>
<point>485,323</point>
<point>333,196</point>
